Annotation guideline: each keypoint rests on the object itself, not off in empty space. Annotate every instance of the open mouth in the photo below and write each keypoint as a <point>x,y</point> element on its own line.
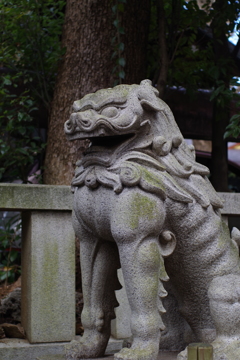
<point>109,141</point>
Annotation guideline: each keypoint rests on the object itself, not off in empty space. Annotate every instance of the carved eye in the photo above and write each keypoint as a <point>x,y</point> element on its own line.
<point>110,111</point>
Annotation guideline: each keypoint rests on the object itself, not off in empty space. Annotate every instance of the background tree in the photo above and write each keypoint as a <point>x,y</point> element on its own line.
<point>105,42</point>
<point>222,26</point>
<point>195,53</point>
<point>172,42</point>
<point>29,54</point>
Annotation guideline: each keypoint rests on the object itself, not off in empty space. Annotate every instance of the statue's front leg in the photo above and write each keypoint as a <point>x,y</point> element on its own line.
<point>142,269</point>
<point>137,237</point>
<point>99,263</point>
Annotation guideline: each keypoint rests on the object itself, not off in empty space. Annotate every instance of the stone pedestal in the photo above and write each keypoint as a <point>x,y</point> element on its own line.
<point>18,349</point>
<point>48,281</point>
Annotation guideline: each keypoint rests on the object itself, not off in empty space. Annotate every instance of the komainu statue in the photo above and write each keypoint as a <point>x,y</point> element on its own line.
<point>142,203</point>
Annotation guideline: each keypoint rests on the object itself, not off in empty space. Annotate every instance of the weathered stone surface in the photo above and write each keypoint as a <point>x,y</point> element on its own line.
<point>161,356</point>
<point>35,197</point>
<point>48,284</point>
<point>11,306</point>
<point>175,336</point>
<point>141,201</point>
<point>224,295</point>
<point>51,197</point>
<point>52,357</point>
<point>18,349</point>
<point>120,327</point>
<point>231,203</point>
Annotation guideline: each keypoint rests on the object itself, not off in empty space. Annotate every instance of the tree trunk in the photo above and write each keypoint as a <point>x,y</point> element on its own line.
<point>88,66</point>
<point>164,60</point>
<point>219,161</point>
<point>221,113</point>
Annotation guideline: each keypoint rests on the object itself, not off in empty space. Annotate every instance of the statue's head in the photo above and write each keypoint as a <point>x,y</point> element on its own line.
<point>132,119</point>
<point>114,111</point>
<point>127,112</point>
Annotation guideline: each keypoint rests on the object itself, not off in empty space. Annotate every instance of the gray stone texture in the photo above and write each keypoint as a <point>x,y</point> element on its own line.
<point>16,349</point>
<point>120,327</point>
<point>224,296</point>
<point>141,201</point>
<point>161,356</point>
<point>58,197</point>
<point>35,197</point>
<point>231,204</point>
<point>48,282</point>
<point>177,333</point>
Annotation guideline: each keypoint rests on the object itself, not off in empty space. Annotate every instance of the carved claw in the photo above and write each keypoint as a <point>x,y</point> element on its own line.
<point>91,346</point>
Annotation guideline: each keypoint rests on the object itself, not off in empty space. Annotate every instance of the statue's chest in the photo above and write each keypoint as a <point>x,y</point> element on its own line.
<point>94,207</point>
<point>130,213</point>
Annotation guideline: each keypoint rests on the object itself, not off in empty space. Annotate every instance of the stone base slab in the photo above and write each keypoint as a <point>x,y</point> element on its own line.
<point>19,349</point>
<point>162,356</point>
<point>16,349</point>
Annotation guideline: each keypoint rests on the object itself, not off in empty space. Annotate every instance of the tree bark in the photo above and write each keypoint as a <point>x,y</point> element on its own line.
<point>88,66</point>
<point>219,161</point>
<point>135,22</point>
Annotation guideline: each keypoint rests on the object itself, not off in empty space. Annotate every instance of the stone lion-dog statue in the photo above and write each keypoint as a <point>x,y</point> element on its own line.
<point>142,202</point>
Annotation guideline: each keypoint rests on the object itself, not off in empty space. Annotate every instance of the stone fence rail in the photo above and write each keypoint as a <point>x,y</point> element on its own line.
<point>35,197</point>
<point>59,197</point>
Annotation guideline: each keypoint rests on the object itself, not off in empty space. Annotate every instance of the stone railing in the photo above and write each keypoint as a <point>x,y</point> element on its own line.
<point>48,260</point>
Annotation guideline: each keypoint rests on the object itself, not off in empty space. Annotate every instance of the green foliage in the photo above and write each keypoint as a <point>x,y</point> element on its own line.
<point>10,258</point>
<point>233,129</point>
<point>19,141</point>
<point>197,50</point>
<point>31,42</point>
<point>189,58</point>
<point>189,40</point>
<point>29,58</point>
<point>117,43</point>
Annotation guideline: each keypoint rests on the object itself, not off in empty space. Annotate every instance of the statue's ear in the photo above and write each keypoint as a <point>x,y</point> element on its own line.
<point>150,105</point>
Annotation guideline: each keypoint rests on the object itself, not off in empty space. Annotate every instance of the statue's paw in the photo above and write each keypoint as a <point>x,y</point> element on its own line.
<point>135,354</point>
<point>74,350</point>
<point>182,355</point>
<point>85,349</point>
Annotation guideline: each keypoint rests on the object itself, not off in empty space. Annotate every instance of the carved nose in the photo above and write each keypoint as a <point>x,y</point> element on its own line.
<point>85,122</point>
<point>102,132</point>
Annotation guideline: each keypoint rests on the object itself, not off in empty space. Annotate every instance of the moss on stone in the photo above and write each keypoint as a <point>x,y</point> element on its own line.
<point>141,207</point>
<point>152,179</point>
<point>35,197</point>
